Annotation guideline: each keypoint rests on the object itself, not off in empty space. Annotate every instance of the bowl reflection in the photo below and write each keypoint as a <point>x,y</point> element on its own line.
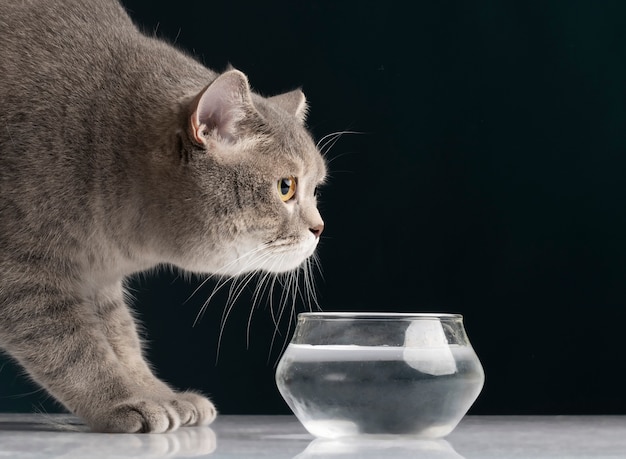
<point>376,448</point>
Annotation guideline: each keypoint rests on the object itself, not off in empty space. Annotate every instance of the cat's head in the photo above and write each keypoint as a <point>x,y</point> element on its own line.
<point>250,171</point>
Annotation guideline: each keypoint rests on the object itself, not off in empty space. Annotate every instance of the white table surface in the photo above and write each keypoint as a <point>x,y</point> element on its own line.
<point>533,437</point>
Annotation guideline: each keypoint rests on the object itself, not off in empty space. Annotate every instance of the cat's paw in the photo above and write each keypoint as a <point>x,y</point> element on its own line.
<point>201,413</point>
<point>156,416</point>
<point>138,416</point>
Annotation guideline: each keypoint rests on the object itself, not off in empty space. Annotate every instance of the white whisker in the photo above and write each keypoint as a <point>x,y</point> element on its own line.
<point>226,267</point>
<point>325,144</point>
<point>257,296</point>
<point>233,294</point>
<point>292,312</point>
<point>205,305</point>
<point>319,142</point>
<point>295,288</point>
<point>281,309</point>
<point>309,284</point>
<point>257,258</point>
<point>275,279</point>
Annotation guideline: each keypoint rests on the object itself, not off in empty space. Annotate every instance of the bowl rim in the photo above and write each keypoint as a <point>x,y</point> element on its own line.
<point>379,315</point>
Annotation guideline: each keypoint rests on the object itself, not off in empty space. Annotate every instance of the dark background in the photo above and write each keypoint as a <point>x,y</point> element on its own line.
<point>487,181</point>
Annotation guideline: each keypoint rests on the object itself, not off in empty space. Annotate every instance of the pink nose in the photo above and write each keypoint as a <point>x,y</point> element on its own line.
<point>317,230</point>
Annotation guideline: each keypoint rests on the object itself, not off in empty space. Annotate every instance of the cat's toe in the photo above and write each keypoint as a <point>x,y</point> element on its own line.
<point>186,411</point>
<point>143,416</point>
<point>203,412</point>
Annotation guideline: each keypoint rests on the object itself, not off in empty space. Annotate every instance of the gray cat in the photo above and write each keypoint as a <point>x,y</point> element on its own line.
<point>119,153</point>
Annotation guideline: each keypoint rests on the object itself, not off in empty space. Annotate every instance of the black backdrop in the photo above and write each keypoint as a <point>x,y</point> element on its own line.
<point>487,180</point>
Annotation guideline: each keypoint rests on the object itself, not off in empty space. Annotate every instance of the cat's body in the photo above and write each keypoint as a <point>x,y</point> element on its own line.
<point>118,153</point>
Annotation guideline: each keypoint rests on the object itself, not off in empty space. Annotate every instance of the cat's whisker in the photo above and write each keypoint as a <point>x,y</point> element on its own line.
<point>321,143</point>
<point>341,155</point>
<point>294,285</point>
<point>254,302</point>
<point>326,140</point>
<point>262,288</point>
<point>223,281</point>
<point>24,394</point>
<point>225,267</point>
<point>251,267</point>
<point>258,294</point>
<point>302,280</point>
<point>315,259</point>
<point>295,282</point>
<point>290,293</point>
<point>281,308</point>
<point>330,144</point>
<point>234,293</point>
<point>293,291</point>
<point>284,299</point>
<point>202,284</point>
<point>205,305</point>
<point>309,284</point>
<point>271,300</point>
<point>237,287</point>
<point>325,144</point>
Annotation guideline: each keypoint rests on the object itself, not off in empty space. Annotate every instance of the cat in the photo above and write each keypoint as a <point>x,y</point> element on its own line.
<point>119,153</point>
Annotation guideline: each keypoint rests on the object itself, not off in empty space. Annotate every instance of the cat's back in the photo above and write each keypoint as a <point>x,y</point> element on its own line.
<point>43,25</point>
<point>43,29</point>
<point>51,46</point>
<point>57,64</point>
<point>77,69</point>
<point>85,56</point>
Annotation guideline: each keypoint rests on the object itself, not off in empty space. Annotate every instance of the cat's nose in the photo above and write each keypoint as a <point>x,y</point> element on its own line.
<point>317,230</point>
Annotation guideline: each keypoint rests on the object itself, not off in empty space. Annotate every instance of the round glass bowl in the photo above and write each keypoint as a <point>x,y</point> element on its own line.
<point>351,374</point>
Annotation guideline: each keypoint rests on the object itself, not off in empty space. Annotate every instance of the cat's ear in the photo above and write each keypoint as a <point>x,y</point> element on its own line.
<point>292,102</point>
<point>220,106</point>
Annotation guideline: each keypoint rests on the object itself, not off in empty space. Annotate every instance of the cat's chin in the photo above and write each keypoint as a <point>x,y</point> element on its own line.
<point>284,265</point>
<point>282,261</point>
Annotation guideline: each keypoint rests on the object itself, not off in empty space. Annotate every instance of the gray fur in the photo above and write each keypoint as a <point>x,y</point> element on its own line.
<point>103,173</point>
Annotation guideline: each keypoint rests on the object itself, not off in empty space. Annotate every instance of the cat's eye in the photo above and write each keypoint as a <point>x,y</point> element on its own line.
<point>287,188</point>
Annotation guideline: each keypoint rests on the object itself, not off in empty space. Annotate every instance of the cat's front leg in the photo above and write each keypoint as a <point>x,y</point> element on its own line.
<point>60,341</point>
<point>120,330</point>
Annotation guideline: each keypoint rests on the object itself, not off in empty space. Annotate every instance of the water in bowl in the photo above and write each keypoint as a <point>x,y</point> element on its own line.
<point>344,390</point>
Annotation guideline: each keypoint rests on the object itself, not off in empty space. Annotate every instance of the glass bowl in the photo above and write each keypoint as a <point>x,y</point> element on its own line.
<point>352,374</point>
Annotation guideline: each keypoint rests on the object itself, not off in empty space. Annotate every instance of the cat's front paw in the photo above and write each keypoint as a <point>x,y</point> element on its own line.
<point>202,413</point>
<point>156,416</point>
